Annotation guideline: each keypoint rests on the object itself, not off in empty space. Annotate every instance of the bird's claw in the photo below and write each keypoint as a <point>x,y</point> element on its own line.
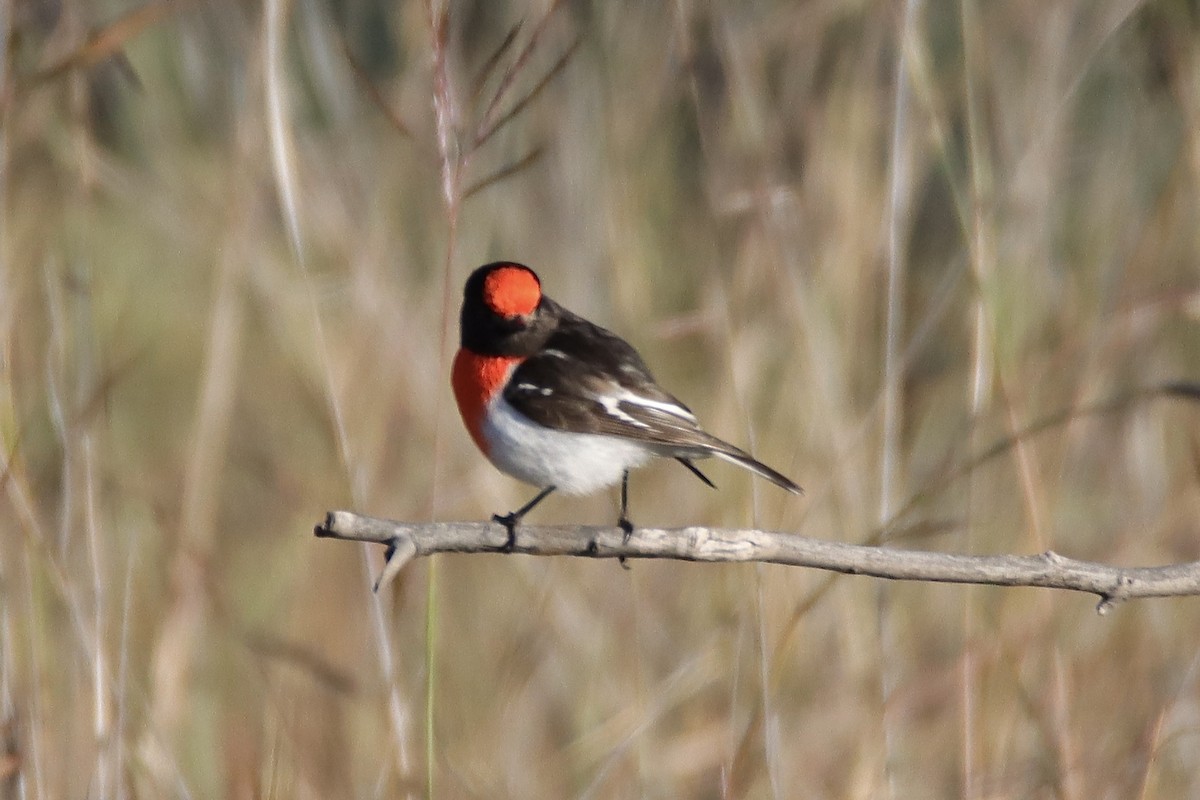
<point>509,521</point>
<point>626,531</point>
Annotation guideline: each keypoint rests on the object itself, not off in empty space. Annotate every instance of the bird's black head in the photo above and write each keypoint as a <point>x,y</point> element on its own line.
<point>504,311</point>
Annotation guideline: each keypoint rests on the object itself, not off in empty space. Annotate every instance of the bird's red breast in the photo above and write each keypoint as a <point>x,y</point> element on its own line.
<point>476,380</point>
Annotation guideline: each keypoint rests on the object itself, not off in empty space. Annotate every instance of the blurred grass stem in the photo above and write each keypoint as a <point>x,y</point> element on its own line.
<point>890,481</point>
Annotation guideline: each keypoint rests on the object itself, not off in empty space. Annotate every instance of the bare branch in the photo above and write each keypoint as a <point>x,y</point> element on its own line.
<point>1050,570</point>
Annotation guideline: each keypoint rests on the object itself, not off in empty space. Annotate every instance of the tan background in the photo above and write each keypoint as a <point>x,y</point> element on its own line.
<point>183,395</point>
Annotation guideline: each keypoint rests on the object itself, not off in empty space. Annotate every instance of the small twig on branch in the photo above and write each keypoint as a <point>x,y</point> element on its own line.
<point>406,541</point>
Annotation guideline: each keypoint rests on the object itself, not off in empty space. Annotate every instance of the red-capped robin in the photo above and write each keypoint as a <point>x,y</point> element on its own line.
<point>561,403</point>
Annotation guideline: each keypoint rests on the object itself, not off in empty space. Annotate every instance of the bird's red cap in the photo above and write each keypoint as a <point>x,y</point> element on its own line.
<point>512,291</point>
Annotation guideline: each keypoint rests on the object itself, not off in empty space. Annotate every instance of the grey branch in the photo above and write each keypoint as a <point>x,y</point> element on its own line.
<point>406,541</point>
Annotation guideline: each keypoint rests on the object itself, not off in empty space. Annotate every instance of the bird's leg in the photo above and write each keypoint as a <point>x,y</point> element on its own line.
<point>510,520</point>
<point>623,522</point>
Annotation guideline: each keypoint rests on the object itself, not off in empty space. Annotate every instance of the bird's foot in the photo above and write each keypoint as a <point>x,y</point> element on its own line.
<point>627,530</point>
<point>509,521</point>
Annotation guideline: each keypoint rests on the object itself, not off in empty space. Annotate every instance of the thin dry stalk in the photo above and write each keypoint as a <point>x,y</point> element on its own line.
<point>486,131</point>
<point>489,66</point>
<point>1170,390</point>
<point>453,164</point>
<point>287,182</point>
<point>982,261</point>
<point>186,615</point>
<point>504,172</point>
<point>900,193</point>
<point>763,731</point>
<point>487,120</point>
<point>377,99</point>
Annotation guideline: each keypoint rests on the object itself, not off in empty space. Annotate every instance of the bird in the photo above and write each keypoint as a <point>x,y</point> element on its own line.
<point>563,404</point>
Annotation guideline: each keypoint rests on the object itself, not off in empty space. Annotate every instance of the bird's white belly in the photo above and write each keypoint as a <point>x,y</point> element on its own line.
<point>575,463</point>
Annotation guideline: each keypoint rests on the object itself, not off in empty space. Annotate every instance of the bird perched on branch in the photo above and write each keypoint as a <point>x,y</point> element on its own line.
<point>561,403</point>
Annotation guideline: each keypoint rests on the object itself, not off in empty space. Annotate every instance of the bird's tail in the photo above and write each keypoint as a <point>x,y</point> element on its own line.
<point>747,462</point>
<point>743,459</point>
<point>689,442</point>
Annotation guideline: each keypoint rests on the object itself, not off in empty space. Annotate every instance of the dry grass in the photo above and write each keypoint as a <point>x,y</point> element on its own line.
<point>227,299</point>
